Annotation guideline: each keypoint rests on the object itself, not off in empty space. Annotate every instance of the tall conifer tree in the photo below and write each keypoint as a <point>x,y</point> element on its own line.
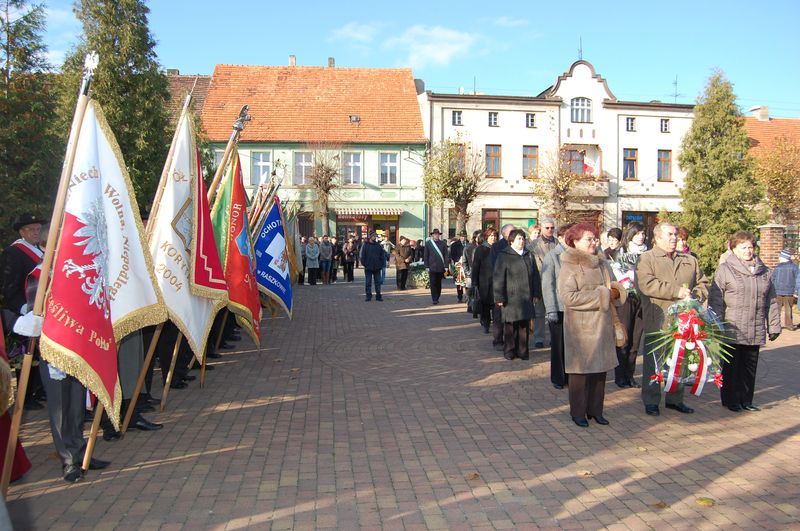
<point>128,84</point>
<point>29,151</point>
<point>720,193</point>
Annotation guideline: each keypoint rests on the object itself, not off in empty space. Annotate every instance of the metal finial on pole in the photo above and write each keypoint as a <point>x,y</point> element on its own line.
<point>89,65</point>
<point>244,116</point>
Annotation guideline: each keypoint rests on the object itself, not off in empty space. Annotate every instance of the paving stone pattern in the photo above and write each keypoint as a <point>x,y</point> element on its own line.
<point>399,415</point>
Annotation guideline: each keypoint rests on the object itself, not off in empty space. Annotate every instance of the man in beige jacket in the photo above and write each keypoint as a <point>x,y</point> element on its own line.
<point>664,276</point>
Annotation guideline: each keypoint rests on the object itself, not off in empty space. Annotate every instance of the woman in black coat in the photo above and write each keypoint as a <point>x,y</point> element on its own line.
<point>517,288</point>
<point>482,277</point>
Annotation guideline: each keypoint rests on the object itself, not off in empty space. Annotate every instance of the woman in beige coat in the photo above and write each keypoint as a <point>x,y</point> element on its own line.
<point>587,293</point>
<point>743,296</point>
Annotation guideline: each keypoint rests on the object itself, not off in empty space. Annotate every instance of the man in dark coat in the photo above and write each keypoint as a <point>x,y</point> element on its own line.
<point>517,288</point>
<point>19,259</point>
<point>435,261</point>
<point>497,319</point>
<point>456,252</point>
<point>373,258</point>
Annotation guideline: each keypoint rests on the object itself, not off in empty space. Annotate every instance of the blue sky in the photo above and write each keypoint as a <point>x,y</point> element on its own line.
<point>499,47</point>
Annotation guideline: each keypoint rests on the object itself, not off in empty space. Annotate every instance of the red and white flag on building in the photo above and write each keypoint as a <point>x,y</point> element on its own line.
<point>102,285</point>
<point>185,257</point>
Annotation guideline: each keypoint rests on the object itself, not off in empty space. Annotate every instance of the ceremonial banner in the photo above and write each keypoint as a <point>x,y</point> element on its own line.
<point>273,272</point>
<point>232,234</point>
<point>185,258</point>
<point>102,285</point>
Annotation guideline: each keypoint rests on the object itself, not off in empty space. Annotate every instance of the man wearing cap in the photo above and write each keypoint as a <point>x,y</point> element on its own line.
<point>17,261</point>
<point>786,278</point>
<point>456,252</point>
<point>435,258</point>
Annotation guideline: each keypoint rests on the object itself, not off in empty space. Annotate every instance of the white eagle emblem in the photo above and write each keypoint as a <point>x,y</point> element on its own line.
<point>95,232</point>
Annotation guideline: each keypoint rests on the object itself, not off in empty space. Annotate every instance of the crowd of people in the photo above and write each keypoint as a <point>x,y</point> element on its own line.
<point>602,298</point>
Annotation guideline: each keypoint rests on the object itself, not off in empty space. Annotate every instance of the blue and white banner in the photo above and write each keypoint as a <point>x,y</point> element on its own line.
<point>273,273</point>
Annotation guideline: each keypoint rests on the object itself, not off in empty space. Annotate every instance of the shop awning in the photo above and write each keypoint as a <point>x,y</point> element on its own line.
<point>369,211</point>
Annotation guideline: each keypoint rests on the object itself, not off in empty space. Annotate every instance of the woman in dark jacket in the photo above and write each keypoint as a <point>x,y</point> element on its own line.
<point>482,277</point>
<point>744,298</point>
<point>517,288</point>
<point>419,251</point>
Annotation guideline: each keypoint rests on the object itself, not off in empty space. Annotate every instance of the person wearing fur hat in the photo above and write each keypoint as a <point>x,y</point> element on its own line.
<point>786,278</point>
<point>589,295</point>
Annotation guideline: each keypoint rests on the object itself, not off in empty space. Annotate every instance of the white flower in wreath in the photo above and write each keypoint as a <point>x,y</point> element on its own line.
<point>692,367</point>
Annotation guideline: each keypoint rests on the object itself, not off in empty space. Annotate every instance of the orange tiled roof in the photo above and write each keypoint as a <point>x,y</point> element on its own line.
<point>763,134</point>
<point>180,86</point>
<point>314,104</point>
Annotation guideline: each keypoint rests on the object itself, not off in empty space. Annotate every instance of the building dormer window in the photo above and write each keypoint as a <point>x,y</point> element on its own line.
<point>530,120</point>
<point>630,124</point>
<point>665,125</point>
<point>581,110</point>
<point>493,119</point>
<point>457,118</point>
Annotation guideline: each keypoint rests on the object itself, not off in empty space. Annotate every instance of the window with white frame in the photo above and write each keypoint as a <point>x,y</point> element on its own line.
<point>351,167</point>
<point>530,161</point>
<point>630,124</point>
<point>493,122</point>
<point>581,110</point>
<point>303,162</point>
<point>457,118</point>
<point>530,119</point>
<point>389,168</point>
<point>665,125</point>
<point>261,168</point>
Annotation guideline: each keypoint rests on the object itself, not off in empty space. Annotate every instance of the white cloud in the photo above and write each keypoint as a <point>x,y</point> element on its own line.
<point>356,33</point>
<point>431,45</point>
<point>508,22</point>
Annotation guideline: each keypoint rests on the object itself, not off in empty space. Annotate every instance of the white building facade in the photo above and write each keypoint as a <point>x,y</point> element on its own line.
<point>631,148</point>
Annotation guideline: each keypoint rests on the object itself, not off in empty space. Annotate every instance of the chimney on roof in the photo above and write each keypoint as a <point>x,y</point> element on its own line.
<point>760,113</point>
<point>331,62</point>
<point>173,72</point>
<point>292,60</point>
<point>419,85</point>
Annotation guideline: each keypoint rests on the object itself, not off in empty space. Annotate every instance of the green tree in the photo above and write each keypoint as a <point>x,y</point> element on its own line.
<point>128,84</point>
<point>720,193</point>
<point>453,172</point>
<point>30,160</point>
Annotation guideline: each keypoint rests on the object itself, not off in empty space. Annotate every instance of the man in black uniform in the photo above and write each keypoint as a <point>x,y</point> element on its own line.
<point>436,261</point>
<point>18,260</point>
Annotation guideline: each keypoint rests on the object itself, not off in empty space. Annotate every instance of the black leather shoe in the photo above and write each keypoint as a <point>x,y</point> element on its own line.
<point>558,386</point>
<point>367,299</point>
<point>652,410</point>
<point>213,355</point>
<point>736,408</point>
<point>622,385</point>
<point>189,378</point>
<point>633,383</point>
<point>750,407</point>
<point>524,357</point>
<point>580,421</point>
<point>235,337</point>
<point>111,435</point>
<point>681,408</point>
<point>178,385</point>
<point>146,425</point>
<point>32,405</point>
<point>152,401</point>
<point>98,464</point>
<point>225,345</point>
<point>379,298</point>
<point>485,329</point>
<point>73,473</point>
<point>435,302</point>
<point>600,419</point>
<point>539,344</point>
<point>144,407</point>
<point>498,347</point>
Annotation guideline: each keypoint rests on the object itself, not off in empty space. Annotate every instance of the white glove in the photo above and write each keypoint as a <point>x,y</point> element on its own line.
<point>56,374</point>
<point>29,325</point>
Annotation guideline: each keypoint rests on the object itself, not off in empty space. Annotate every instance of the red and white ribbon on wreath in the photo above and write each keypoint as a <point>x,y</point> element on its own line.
<point>702,369</point>
<point>674,366</point>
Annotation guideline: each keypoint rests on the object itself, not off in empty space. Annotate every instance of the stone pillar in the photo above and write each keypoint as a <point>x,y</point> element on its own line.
<point>772,242</point>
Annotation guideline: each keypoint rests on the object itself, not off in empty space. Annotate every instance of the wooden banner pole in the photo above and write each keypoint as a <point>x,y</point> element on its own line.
<point>142,375</point>
<point>165,392</point>
<point>221,332</point>
<point>87,457</point>
<point>47,262</point>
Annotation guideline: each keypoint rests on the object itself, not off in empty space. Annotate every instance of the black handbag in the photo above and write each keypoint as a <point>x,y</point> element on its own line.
<point>474,302</point>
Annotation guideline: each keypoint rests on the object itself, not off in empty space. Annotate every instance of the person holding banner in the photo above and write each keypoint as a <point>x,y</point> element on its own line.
<point>664,277</point>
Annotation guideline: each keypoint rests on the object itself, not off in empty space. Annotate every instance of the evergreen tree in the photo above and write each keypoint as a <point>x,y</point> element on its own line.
<point>720,192</point>
<point>30,157</point>
<point>127,83</point>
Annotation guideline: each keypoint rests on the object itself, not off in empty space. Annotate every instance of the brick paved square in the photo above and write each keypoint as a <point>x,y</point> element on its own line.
<point>401,416</point>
